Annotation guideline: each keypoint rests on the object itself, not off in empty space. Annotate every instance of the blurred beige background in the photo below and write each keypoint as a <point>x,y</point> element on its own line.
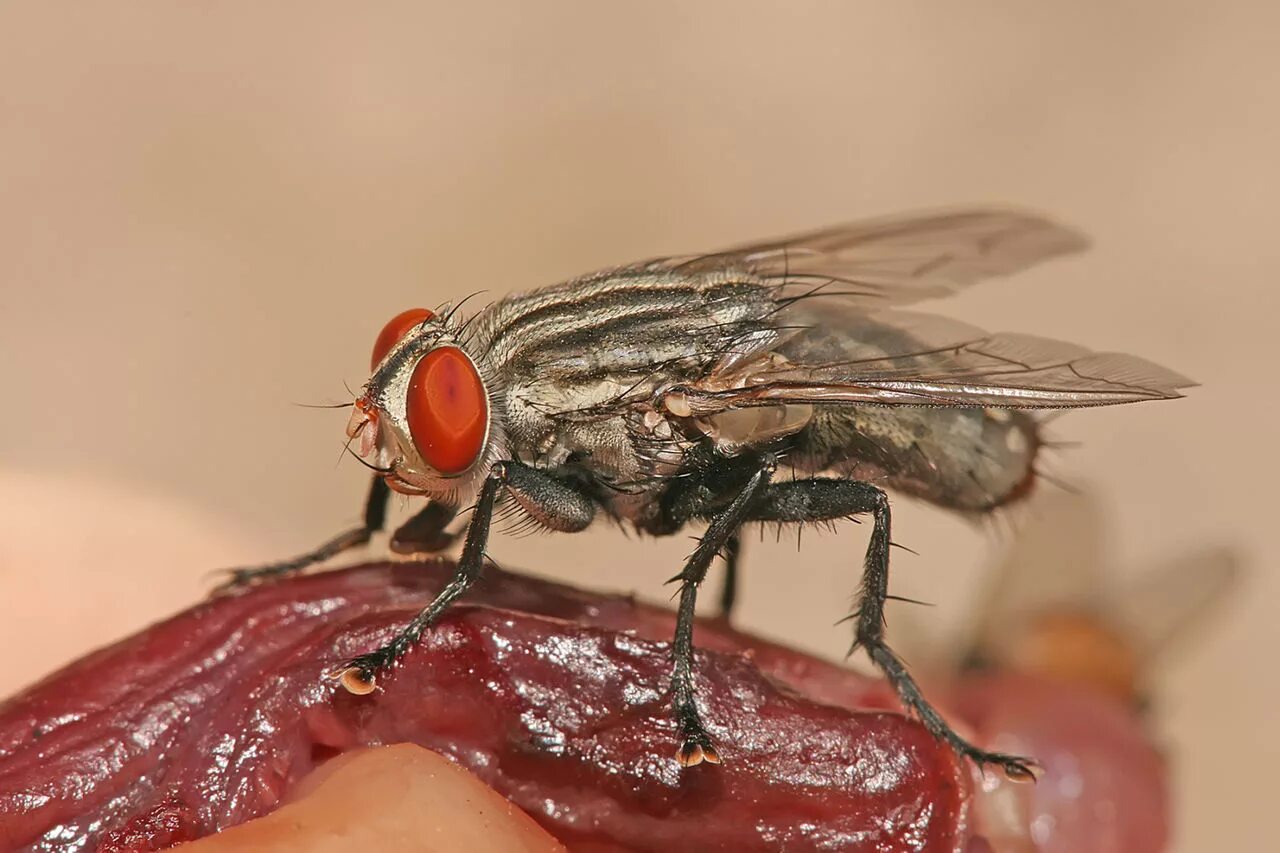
<point>207,212</point>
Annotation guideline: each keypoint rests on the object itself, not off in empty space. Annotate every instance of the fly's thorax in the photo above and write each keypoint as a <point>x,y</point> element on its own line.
<point>553,424</point>
<point>430,415</point>
<point>581,361</point>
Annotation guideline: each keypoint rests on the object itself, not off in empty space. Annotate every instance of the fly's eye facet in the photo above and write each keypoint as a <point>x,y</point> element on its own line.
<point>395,330</point>
<point>448,410</point>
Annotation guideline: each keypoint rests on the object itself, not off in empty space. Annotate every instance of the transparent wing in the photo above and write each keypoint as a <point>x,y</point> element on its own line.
<point>896,261</point>
<point>837,354</point>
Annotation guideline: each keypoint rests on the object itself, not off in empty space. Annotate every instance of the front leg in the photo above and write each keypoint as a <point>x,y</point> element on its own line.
<point>695,743</point>
<point>425,532</point>
<point>375,517</point>
<point>552,501</point>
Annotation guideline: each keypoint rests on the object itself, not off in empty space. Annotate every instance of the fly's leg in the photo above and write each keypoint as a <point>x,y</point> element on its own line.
<point>553,502</point>
<point>425,533</point>
<point>375,517</point>
<point>695,743</point>
<point>729,592</point>
<point>827,499</point>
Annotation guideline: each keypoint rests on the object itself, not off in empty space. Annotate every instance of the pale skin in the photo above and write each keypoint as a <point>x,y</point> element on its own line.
<point>407,798</point>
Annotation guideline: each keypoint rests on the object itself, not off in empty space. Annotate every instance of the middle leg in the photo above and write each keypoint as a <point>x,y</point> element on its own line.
<point>695,743</point>
<point>729,592</point>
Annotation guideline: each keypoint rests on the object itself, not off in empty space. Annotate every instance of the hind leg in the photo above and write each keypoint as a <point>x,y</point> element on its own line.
<point>822,499</point>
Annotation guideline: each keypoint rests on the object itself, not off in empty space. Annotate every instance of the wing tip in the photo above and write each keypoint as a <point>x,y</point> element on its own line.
<point>1045,236</point>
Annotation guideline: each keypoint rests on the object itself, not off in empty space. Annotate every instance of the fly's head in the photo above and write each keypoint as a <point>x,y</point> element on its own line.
<point>425,418</point>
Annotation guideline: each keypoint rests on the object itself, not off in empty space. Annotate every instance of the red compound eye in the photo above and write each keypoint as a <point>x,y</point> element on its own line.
<point>395,330</point>
<point>448,410</point>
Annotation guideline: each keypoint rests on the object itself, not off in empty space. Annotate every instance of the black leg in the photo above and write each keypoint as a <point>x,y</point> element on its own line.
<point>729,592</point>
<point>425,533</point>
<point>375,506</point>
<point>825,499</point>
<point>695,743</point>
<point>375,516</point>
<point>545,497</point>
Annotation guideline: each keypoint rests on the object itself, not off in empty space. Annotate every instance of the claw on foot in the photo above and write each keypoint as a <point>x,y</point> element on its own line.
<point>357,680</point>
<point>225,580</point>
<point>693,754</point>
<point>1021,770</point>
<point>234,580</point>
<point>1014,767</point>
<point>696,748</point>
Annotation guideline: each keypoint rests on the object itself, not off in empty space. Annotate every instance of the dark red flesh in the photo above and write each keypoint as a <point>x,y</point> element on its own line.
<point>556,698</point>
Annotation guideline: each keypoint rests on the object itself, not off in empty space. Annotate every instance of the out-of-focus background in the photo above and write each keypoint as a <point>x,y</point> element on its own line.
<point>207,212</point>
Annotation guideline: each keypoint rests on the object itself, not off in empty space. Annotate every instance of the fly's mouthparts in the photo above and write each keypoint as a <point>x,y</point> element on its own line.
<point>363,425</point>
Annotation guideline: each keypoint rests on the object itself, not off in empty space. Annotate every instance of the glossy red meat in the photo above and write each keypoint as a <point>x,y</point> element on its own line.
<point>558,701</point>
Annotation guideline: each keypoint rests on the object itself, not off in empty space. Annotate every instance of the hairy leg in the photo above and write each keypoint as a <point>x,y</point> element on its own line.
<point>826,499</point>
<point>552,501</point>
<point>729,592</point>
<point>375,517</point>
<point>695,743</point>
<point>425,533</point>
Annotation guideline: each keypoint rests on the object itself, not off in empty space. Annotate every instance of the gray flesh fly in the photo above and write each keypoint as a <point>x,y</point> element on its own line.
<point>778,382</point>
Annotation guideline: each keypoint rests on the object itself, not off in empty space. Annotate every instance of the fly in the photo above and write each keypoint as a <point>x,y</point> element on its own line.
<point>777,382</point>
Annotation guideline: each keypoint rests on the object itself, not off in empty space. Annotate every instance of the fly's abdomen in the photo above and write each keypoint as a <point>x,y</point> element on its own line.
<point>971,460</point>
